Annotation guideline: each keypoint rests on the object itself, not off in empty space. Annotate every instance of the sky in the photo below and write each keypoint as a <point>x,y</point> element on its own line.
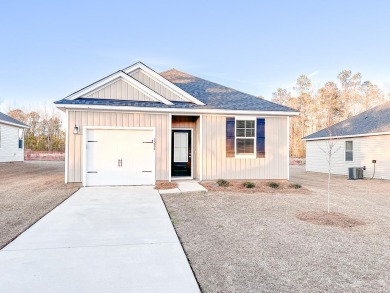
<point>50,49</point>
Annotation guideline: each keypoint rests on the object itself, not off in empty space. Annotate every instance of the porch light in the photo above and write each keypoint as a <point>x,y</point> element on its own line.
<point>76,129</point>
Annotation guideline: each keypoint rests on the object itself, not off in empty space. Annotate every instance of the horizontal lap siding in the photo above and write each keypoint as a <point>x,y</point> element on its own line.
<point>119,90</point>
<point>217,165</point>
<point>116,119</point>
<point>365,149</point>
<point>9,144</point>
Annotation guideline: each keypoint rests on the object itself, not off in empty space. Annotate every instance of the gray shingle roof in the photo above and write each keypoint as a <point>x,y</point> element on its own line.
<point>213,95</point>
<point>8,119</point>
<point>217,96</point>
<point>375,120</point>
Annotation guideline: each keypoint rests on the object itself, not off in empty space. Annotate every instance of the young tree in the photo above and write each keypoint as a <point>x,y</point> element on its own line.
<point>329,151</point>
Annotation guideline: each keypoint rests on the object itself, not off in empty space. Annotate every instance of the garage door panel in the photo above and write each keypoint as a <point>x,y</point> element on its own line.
<point>120,157</point>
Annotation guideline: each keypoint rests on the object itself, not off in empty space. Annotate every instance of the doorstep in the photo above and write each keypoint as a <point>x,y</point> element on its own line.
<point>185,186</point>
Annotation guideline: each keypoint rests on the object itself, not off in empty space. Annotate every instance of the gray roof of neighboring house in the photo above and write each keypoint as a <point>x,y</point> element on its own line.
<point>213,95</point>
<point>7,119</point>
<point>375,120</point>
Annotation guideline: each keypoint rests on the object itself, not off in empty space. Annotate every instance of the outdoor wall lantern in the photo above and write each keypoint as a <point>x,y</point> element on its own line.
<point>76,129</point>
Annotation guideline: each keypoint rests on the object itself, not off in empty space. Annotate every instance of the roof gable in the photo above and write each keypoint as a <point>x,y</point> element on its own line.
<point>120,75</point>
<point>373,121</point>
<point>158,87</point>
<point>158,78</point>
<point>119,89</point>
<point>199,95</point>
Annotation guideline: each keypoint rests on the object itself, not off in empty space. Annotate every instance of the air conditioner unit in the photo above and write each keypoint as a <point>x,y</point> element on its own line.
<point>355,173</point>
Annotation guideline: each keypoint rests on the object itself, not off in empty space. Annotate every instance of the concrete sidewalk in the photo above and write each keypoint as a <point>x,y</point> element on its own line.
<point>106,239</point>
<point>185,186</point>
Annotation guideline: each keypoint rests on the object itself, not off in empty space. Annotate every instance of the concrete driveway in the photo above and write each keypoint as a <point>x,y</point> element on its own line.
<point>106,239</point>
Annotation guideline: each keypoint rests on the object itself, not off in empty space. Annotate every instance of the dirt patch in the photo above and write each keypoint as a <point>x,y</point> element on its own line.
<point>161,185</point>
<point>28,191</point>
<point>261,186</point>
<point>330,219</point>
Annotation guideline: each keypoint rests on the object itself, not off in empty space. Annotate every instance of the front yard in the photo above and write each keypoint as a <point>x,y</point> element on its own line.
<point>254,242</point>
<point>28,191</point>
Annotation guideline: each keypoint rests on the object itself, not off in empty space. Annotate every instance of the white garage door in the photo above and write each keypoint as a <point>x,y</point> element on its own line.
<point>120,157</point>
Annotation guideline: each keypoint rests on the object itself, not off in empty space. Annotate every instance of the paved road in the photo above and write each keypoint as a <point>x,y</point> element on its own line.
<point>106,239</point>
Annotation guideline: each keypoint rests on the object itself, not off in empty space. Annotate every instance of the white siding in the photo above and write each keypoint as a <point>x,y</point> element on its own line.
<point>119,90</point>
<point>9,144</point>
<point>365,149</point>
<point>156,86</point>
<point>216,165</point>
<point>116,119</point>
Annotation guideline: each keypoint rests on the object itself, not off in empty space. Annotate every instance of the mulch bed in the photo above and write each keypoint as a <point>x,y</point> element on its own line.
<point>330,219</point>
<point>261,186</point>
<point>161,185</point>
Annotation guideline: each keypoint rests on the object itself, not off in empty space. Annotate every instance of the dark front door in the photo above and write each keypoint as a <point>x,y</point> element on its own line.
<point>181,153</point>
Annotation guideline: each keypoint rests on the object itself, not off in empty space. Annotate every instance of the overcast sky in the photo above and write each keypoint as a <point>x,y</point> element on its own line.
<point>49,49</point>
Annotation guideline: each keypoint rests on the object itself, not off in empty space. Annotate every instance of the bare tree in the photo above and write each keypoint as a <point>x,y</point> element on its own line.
<point>332,147</point>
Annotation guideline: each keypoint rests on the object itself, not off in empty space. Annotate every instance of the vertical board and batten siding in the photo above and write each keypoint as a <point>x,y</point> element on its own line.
<point>9,144</point>
<point>156,86</point>
<point>216,165</point>
<point>116,119</point>
<point>119,90</point>
<point>193,123</point>
<point>365,149</point>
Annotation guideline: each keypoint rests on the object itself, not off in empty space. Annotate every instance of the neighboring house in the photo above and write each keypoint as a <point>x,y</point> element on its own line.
<point>358,141</point>
<point>137,126</point>
<point>11,139</point>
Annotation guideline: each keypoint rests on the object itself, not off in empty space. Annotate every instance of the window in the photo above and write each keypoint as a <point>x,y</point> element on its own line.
<point>245,137</point>
<point>349,151</point>
<point>20,138</point>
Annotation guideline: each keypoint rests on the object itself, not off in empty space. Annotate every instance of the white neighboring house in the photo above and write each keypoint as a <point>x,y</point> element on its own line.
<point>11,139</point>
<point>358,140</point>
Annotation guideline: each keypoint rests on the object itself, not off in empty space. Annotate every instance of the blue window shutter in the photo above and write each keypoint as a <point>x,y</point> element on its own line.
<point>260,138</point>
<point>230,135</point>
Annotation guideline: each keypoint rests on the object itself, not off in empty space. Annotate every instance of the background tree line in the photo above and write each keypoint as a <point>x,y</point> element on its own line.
<point>332,103</point>
<point>45,132</point>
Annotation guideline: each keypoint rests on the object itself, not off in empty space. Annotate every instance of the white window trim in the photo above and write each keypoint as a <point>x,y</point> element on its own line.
<point>241,156</point>
<point>345,153</point>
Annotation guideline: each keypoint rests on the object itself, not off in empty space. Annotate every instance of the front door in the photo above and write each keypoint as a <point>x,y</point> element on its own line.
<point>181,153</point>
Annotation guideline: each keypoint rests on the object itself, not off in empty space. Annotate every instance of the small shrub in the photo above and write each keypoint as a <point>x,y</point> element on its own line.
<point>273,185</point>
<point>223,182</point>
<point>295,185</point>
<point>248,184</point>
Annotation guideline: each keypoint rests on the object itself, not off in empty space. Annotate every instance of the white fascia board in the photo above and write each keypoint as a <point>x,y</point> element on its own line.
<point>13,124</point>
<point>174,110</point>
<point>157,77</point>
<point>130,80</point>
<point>347,136</point>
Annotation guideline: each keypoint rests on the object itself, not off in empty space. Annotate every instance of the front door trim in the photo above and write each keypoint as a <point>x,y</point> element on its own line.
<point>192,153</point>
<point>84,130</point>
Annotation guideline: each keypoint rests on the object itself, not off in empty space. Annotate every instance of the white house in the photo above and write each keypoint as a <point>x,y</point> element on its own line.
<point>358,142</point>
<point>11,139</point>
<point>137,126</point>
